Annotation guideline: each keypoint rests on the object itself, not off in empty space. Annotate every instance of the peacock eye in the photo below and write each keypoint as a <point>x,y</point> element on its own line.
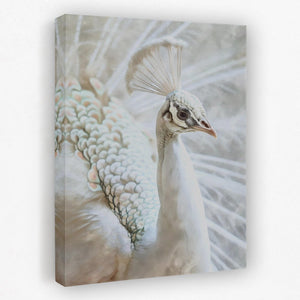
<point>183,114</point>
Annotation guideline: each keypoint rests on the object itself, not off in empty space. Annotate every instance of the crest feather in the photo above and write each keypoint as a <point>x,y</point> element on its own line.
<point>156,67</point>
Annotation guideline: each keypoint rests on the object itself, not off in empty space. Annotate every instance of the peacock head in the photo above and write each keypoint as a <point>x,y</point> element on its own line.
<point>156,69</point>
<point>183,112</point>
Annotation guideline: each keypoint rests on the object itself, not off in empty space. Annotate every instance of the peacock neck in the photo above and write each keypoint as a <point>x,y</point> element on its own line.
<point>181,222</point>
<point>182,244</point>
<point>176,180</point>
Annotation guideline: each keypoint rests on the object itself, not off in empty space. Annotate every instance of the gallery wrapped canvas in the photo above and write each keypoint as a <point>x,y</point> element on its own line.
<point>150,136</point>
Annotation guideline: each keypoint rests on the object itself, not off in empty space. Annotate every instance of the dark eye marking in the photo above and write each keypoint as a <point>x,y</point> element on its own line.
<point>183,114</point>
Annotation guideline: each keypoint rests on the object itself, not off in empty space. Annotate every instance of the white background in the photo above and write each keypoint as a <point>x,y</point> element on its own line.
<point>26,157</point>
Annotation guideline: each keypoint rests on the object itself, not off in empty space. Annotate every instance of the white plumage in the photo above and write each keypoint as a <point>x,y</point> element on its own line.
<point>106,200</point>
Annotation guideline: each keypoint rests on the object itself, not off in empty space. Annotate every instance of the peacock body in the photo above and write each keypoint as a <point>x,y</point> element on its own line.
<point>107,201</point>
<point>99,146</point>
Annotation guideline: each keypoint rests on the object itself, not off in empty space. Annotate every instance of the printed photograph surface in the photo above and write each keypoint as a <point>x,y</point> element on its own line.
<point>150,148</point>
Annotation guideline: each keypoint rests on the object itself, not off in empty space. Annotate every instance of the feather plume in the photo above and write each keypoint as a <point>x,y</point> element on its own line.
<point>156,67</point>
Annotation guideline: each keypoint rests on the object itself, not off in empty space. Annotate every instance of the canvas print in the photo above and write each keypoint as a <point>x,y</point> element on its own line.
<point>150,139</point>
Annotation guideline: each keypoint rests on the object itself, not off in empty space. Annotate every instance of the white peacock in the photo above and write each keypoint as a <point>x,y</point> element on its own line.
<point>121,212</point>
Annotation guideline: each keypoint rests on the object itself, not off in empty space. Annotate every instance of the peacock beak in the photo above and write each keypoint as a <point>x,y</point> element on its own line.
<point>204,126</point>
<point>212,132</point>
